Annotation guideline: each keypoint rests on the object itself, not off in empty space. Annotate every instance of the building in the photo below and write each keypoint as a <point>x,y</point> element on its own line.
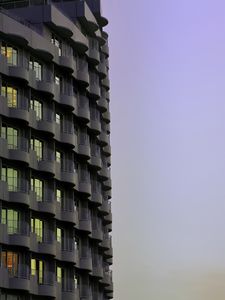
<point>55,186</point>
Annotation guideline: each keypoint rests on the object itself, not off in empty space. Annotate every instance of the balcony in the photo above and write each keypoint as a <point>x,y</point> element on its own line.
<point>45,164</point>
<point>17,278</point>
<point>85,261</point>
<point>82,72</point>
<point>45,124</point>
<point>96,233</point>
<point>65,251</point>
<point>67,62</point>
<point>18,111</point>
<point>69,100</point>
<point>66,172</point>
<point>46,245</point>
<point>67,212</point>
<point>102,69</point>
<point>107,277</point>
<point>18,151</point>
<point>83,111</point>
<point>85,220</point>
<point>66,134</point>
<point>19,236</point>
<point>84,145</point>
<point>84,183</point>
<point>16,194</point>
<point>93,51</point>
<point>96,194</point>
<point>48,286</point>
<point>107,150</point>
<point>102,104</point>
<point>44,204</point>
<point>106,116</point>
<point>105,208</point>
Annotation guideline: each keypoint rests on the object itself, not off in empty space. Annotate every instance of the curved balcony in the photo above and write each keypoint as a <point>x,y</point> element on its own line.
<point>66,136</point>
<point>69,100</point>
<point>17,152</point>
<point>106,116</point>
<point>107,150</point>
<point>66,173</point>
<point>16,194</point>
<point>102,104</point>
<point>83,110</point>
<point>15,236</point>
<point>102,70</point>
<point>95,126</point>
<point>104,173</point>
<point>66,252</point>
<point>68,63</point>
<point>84,187</point>
<point>94,90</point>
<point>46,124</point>
<point>85,224</point>
<point>108,218</point>
<point>46,87</point>
<point>19,72</point>
<point>70,294</point>
<point>86,263</point>
<point>67,213</point>
<point>93,55</point>
<point>45,204</point>
<point>15,279</point>
<point>46,246</point>
<point>107,278</point>
<point>47,288</point>
<point>105,49</point>
<point>96,197</point>
<point>95,161</point>
<point>107,185</point>
<point>97,271</point>
<point>103,138</point>
<point>105,208</point>
<point>96,234</point>
<point>106,242</point>
<point>19,111</point>
<point>109,252</point>
<point>82,72</point>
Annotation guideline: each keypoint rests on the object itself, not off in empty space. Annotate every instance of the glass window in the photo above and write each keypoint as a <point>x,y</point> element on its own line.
<point>10,176</point>
<point>37,146</point>
<point>11,53</point>
<point>37,186</point>
<point>59,195</point>
<point>37,67</point>
<point>58,118</point>
<point>37,106</point>
<point>59,235</point>
<point>33,266</point>
<point>11,94</point>
<point>59,274</point>
<point>11,134</point>
<point>58,156</point>
<point>40,271</point>
<point>58,43</point>
<point>11,218</point>
<point>10,261</point>
<point>37,226</point>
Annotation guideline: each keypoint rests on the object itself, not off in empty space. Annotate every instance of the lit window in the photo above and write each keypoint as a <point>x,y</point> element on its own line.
<point>58,118</point>
<point>58,157</point>
<point>76,281</point>
<point>11,94</point>
<point>11,134</point>
<point>37,67</point>
<point>36,105</point>
<point>55,41</point>
<point>10,176</point>
<point>37,228</point>
<point>59,195</point>
<point>59,235</point>
<point>37,146</point>
<point>33,266</point>
<point>37,186</point>
<point>59,274</point>
<point>11,218</point>
<point>11,53</point>
<point>10,261</point>
<point>40,272</point>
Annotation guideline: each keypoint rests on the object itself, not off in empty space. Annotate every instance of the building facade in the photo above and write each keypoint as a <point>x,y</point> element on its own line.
<point>55,185</point>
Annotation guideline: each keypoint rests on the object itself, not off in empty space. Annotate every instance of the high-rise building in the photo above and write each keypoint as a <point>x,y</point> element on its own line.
<point>55,185</point>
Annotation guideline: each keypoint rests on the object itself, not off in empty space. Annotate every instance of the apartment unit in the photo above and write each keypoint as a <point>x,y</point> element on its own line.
<point>55,185</point>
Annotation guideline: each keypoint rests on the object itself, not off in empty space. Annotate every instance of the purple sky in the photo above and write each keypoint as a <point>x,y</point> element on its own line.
<point>167,71</point>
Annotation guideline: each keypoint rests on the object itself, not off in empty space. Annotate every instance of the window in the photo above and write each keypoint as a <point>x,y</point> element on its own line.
<point>76,281</point>
<point>33,267</point>
<point>58,81</point>
<point>10,261</point>
<point>11,53</point>
<point>37,186</point>
<point>59,274</point>
<point>37,227</point>
<point>58,43</point>
<point>11,218</point>
<point>10,93</point>
<point>59,195</point>
<point>37,67</point>
<point>58,118</point>
<point>37,146</point>
<point>58,157</point>
<point>11,134</point>
<point>76,243</point>
<point>37,106</point>
<point>10,176</point>
<point>59,235</point>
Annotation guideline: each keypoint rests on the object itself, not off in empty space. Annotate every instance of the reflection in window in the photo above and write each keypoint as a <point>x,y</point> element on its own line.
<point>59,235</point>
<point>59,195</point>
<point>37,146</point>
<point>58,118</point>
<point>59,274</point>
<point>11,94</point>
<point>58,43</point>
<point>11,218</point>
<point>10,176</point>
<point>37,227</point>
<point>11,53</point>
<point>11,134</point>
<point>37,187</point>
<point>37,268</point>
<point>36,105</point>
<point>10,261</point>
<point>37,67</point>
<point>58,157</point>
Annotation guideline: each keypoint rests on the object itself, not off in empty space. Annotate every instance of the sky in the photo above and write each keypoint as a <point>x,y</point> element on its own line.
<point>167,72</point>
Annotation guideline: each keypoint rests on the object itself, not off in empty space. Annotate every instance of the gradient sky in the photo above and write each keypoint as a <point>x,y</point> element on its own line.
<point>167,71</point>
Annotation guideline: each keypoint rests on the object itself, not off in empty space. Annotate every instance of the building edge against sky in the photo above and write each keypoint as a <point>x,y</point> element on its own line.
<point>55,155</point>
